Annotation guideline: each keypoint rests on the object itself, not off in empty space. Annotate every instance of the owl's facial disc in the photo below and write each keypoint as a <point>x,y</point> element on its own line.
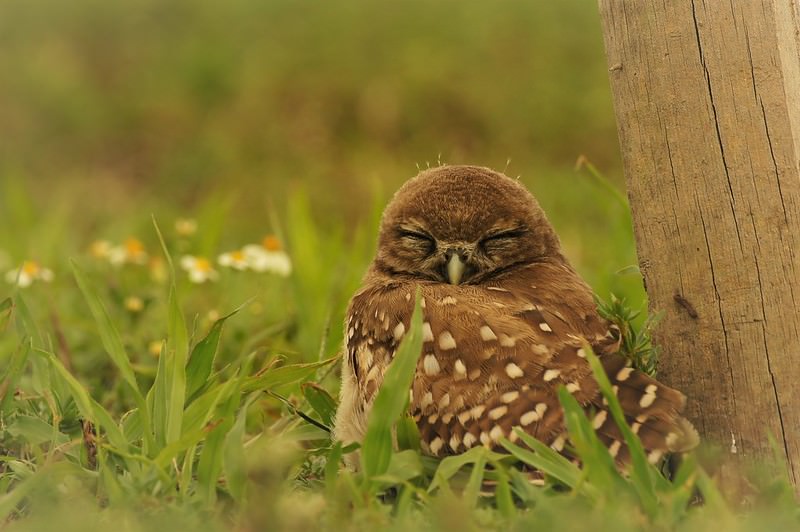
<point>462,225</point>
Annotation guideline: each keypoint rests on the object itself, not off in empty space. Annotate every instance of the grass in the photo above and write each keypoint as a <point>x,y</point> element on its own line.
<point>226,427</point>
<point>134,399</point>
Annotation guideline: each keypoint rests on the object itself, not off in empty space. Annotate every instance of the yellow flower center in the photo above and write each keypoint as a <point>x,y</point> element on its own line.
<point>271,243</point>
<point>202,265</point>
<point>237,255</point>
<point>30,267</point>
<point>134,246</point>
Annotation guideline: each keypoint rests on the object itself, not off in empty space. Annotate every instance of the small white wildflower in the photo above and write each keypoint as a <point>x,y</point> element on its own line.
<point>100,249</point>
<point>29,272</point>
<point>185,226</point>
<point>268,257</point>
<point>154,347</point>
<point>134,304</point>
<point>233,259</point>
<point>199,269</point>
<point>130,252</point>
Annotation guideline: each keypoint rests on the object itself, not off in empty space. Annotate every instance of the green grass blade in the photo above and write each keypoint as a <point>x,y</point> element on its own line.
<point>390,403</point>
<point>12,373</point>
<point>88,407</point>
<point>157,399</point>
<point>6,306</point>
<point>284,375</point>
<point>233,456</point>
<point>643,475</point>
<point>112,343</point>
<point>177,353</point>
<point>109,336</point>
<point>321,401</point>
<point>502,494</point>
<point>211,457</point>
<point>544,459</point>
<point>201,361</point>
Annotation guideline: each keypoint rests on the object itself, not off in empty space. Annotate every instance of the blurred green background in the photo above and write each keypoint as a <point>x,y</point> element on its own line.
<point>243,114</point>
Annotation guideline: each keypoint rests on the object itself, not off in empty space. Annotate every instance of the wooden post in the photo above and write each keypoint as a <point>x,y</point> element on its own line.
<point>707,99</point>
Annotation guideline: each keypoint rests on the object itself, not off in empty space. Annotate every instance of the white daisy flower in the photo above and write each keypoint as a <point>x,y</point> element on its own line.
<point>130,252</point>
<point>134,304</point>
<point>29,272</point>
<point>100,249</point>
<point>185,226</point>
<point>199,269</point>
<point>268,257</point>
<point>234,259</point>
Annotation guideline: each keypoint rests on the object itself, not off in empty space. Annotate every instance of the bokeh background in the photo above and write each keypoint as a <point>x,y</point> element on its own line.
<point>298,118</point>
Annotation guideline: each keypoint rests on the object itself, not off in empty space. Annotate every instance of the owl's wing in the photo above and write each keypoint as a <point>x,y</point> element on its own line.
<point>493,357</point>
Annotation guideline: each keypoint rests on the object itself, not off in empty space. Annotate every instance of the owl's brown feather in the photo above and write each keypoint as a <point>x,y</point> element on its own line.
<point>496,347</point>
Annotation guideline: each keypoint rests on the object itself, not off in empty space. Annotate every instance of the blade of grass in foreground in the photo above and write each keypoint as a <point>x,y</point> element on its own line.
<point>201,361</point>
<point>112,342</point>
<point>390,403</point>
<point>177,353</point>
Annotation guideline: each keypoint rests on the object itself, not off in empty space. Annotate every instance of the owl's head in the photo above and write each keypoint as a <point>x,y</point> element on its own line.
<point>463,225</point>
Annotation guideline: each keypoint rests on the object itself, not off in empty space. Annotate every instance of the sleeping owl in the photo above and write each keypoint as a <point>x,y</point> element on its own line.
<point>505,320</point>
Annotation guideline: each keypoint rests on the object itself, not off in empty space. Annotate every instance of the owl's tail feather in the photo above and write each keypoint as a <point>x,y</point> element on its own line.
<point>652,411</point>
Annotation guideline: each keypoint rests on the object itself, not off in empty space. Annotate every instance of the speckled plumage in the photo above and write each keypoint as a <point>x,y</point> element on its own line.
<point>505,316</point>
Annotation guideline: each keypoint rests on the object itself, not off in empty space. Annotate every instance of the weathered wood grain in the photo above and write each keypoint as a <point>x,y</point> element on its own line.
<point>707,99</point>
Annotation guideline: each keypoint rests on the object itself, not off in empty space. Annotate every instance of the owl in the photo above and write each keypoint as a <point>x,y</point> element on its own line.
<point>506,318</point>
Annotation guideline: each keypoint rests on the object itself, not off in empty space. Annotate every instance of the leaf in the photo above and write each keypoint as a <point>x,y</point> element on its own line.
<point>643,475</point>
<point>283,375</point>
<point>157,400</point>
<point>332,469</point>
<point>404,466</point>
<point>11,375</point>
<point>502,494</point>
<point>88,407</point>
<point>6,307</point>
<point>233,462</point>
<point>35,431</point>
<point>211,457</point>
<point>544,459</point>
<point>112,343</point>
<point>321,401</point>
<point>177,353</point>
<point>109,336</point>
<point>391,400</point>
<point>407,434</point>
<point>201,361</point>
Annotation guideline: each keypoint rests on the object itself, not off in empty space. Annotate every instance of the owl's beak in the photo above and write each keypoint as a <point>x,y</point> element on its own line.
<point>455,268</point>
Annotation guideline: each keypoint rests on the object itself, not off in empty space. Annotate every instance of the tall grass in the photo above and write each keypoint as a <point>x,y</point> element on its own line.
<point>227,427</point>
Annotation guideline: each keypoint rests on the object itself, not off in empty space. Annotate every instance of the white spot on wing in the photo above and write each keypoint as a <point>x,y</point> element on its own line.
<point>469,440</point>
<point>446,341</point>
<point>507,341</point>
<point>497,413</point>
<point>430,365</point>
<point>399,331</point>
<point>427,334</point>
<point>514,371</point>
<point>455,441</point>
<point>614,448</point>
<point>551,374</point>
<point>509,397</point>
<point>487,334</point>
<point>545,327</point>
<point>599,419</point>
<point>436,445</point>
<point>496,433</point>
<point>624,373</point>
